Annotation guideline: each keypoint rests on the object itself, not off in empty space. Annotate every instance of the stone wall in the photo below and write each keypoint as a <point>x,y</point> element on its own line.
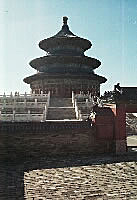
<point>25,140</point>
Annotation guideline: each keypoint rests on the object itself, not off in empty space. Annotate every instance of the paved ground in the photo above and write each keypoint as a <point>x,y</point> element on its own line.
<point>81,177</point>
<point>135,114</point>
<point>132,140</point>
<point>110,181</point>
<point>71,177</point>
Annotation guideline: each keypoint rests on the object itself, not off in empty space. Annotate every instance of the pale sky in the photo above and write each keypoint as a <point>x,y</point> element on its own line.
<point>111,26</point>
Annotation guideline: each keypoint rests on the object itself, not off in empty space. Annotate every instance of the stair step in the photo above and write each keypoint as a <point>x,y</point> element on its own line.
<point>60,102</point>
<point>61,113</point>
<point>60,109</point>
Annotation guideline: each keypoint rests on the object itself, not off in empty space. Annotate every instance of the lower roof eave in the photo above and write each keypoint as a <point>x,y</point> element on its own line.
<point>42,76</point>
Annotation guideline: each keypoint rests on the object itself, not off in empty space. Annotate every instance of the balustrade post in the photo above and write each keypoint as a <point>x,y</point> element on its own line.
<point>41,93</point>
<point>4,103</point>
<point>73,98</point>
<point>36,102</point>
<point>75,105</point>
<point>25,101</point>
<point>25,95</point>
<point>33,93</point>
<point>45,111</point>
<point>28,115</point>
<point>76,109</point>
<point>44,115</point>
<point>14,103</point>
<point>80,115</point>
<point>11,95</point>
<point>13,115</point>
<point>48,98</point>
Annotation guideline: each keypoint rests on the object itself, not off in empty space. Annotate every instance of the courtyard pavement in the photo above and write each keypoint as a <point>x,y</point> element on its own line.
<point>88,177</point>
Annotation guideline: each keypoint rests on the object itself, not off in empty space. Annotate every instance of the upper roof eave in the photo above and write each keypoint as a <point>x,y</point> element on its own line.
<point>64,36</point>
<point>71,40</point>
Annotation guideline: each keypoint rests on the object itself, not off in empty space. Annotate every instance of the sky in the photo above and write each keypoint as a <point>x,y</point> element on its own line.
<point>110,25</point>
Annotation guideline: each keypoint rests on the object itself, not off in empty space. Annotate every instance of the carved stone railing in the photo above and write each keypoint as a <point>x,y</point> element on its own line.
<point>21,117</point>
<point>22,111</point>
<point>75,106</point>
<point>22,97</point>
<point>22,105</point>
<point>77,111</point>
<point>84,101</point>
<point>46,107</point>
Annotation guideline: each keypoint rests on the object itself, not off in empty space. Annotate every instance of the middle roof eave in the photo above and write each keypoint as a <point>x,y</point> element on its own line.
<point>45,60</point>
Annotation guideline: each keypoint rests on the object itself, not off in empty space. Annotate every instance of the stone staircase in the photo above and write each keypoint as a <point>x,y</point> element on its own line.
<point>60,109</point>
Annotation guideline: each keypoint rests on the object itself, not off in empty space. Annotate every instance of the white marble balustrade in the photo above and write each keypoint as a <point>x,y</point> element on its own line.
<point>18,108</point>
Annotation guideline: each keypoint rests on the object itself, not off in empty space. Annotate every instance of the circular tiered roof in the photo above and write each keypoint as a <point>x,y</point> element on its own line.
<point>65,58</point>
<point>63,38</point>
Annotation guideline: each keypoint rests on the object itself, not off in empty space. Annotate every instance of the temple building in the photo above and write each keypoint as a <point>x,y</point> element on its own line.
<point>64,85</point>
<point>65,68</point>
<point>63,114</point>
